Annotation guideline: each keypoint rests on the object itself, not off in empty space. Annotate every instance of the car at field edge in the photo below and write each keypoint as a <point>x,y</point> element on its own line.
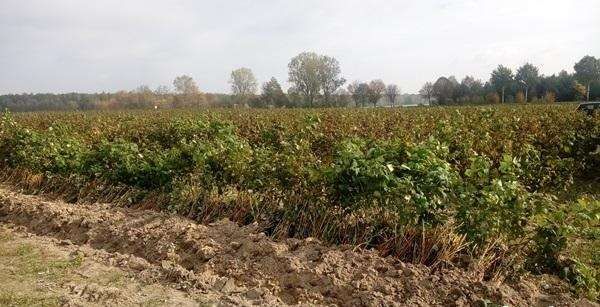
<point>589,107</point>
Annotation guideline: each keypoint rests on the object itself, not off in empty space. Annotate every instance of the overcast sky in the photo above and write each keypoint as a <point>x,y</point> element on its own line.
<point>109,45</point>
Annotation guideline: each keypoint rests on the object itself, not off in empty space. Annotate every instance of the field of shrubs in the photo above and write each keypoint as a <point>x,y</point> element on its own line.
<point>502,190</point>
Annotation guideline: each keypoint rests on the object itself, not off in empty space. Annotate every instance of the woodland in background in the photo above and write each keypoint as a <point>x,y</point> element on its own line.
<point>316,81</point>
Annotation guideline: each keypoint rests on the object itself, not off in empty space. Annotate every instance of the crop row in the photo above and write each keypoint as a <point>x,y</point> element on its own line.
<point>424,184</point>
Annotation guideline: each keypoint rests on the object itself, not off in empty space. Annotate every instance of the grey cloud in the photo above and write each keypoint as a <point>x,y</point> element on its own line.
<point>88,46</point>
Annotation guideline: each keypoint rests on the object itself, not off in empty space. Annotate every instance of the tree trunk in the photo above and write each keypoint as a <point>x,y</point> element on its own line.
<point>503,95</point>
<point>588,92</point>
<point>526,92</point>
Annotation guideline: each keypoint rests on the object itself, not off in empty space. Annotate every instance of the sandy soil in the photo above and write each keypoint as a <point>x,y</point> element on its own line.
<point>42,271</point>
<point>80,255</point>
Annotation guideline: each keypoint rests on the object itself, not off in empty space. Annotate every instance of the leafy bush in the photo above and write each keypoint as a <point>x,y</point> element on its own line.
<point>494,203</point>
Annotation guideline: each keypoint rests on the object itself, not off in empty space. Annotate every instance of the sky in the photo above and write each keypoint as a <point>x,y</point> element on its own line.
<point>92,46</point>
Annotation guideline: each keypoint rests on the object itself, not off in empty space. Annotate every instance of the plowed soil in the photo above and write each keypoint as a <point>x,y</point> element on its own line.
<point>168,260</point>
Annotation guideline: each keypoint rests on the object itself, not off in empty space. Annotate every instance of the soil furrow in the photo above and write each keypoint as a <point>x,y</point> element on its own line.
<point>243,263</point>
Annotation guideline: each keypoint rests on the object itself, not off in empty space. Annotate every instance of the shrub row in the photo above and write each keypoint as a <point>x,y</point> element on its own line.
<point>355,176</point>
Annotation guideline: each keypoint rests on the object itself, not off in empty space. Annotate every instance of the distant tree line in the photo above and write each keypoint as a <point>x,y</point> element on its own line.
<point>185,94</point>
<point>524,85</point>
<point>316,81</point>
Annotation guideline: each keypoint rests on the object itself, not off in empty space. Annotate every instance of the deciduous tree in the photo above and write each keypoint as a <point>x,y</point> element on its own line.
<point>528,76</point>
<point>392,92</point>
<point>243,84</point>
<point>342,98</point>
<point>502,77</point>
<point>359,92</point>
<point>580,90</point>
<point>188,92</point>
<point>329,73</point>
<point>426,91</point>
<point>587,70</point>
<point>313,74</point>
<point>376,91</point>
<point>520,98</point>
<point>185,85</point>
<point>443,90</point>
<point>470,89</point>
<point>273,95</point>
<point>162,90</point>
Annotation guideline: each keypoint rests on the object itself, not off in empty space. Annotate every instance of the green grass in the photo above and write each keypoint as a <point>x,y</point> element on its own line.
<point>10,298</point>
<point>27,260</point>
<point>23,264</point>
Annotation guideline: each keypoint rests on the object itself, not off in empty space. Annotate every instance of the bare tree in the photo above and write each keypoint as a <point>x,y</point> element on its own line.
<point>426,91</point>
<point>243,84</point>
<point>376,91</point>
<point>392,92</point>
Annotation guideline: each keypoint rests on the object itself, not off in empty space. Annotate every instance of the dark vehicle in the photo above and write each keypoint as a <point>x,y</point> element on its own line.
<point>589,107</point>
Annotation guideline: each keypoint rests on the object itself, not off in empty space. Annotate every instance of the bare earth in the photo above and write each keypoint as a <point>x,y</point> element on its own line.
<point>54,253</point>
